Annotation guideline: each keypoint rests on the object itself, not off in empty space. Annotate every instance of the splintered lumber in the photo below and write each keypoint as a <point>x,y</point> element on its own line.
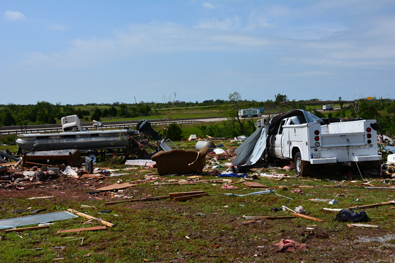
<point>90,217</point>
<point>187,197</point>
<point>267,217</point>
<point>185,193</point>
<point>373,205</point>
<point>82,229</point>
<point>254,185</point>
<point>175,195</point>
<point>307,217</point>
<point>9,164</point>
<point>116,186</point>
<point>26,228</point>
<point>93,176</point>
<point>138,200</point>
<point>362,225</point>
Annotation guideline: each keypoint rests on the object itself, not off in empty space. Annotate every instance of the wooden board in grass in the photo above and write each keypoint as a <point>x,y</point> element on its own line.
<point>254,185</point>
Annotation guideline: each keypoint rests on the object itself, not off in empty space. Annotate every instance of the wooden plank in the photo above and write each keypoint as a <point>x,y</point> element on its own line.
<point>254,185</point>
<point>307,217</point>
<point>82,229</point>
<point>267,217</point>
<point>187,197</point>
<point>94,176</point>
<point>137,200</point>
<point>90,217</point>
<point>362,225</point>
<point>26,228</point>
<point>185,193</point>
<point>116,186</point>
<point>9,164</point>
<point>372,205</point>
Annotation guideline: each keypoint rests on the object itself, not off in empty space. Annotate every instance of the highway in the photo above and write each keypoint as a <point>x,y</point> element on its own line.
<point>89,126</point>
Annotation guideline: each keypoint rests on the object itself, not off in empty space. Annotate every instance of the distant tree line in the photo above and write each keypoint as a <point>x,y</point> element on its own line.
<point>46,113</point>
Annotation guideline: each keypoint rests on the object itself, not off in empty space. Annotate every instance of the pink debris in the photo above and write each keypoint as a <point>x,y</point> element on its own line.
<point>290,166</point>
<point>290,245</point>
<point>297,190</point>
<point>228,186</point>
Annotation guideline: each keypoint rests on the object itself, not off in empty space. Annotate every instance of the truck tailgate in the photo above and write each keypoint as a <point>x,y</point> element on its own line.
<point>343,139</point>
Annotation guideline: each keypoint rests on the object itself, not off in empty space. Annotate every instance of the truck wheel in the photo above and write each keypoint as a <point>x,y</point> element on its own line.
<point>302,168</point>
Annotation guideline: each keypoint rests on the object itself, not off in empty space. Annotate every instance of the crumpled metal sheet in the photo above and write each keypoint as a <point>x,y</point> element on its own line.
<point>252,149</point>
<point>35,219</point>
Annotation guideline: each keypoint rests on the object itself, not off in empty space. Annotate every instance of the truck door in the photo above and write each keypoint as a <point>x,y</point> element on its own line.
<point>278,140</point>
<point>285,143</point>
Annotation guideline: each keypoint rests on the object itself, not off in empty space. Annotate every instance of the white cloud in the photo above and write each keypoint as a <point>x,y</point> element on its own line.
<point>220,24</point>
<point>13,16</point>
<point>324,43</point>
<point>208,5</point>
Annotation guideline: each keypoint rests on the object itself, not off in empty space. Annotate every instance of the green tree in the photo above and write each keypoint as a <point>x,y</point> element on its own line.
<point>79,113</point>
<point>280,98</point>
<point>8,119</point>
<point>123,110</point>
<point>105,113</point>
<point>112,111</point>
<point>235,122</point>
<point>96,115</point>
<point>174,132</point>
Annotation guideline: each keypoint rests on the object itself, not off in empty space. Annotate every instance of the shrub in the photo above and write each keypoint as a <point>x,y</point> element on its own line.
<point>174,132</point>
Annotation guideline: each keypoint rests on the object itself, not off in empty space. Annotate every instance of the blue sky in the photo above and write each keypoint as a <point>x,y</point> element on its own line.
<point>86,51</point>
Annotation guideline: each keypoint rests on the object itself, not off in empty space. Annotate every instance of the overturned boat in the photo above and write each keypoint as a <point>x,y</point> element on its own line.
<point>74,137</point>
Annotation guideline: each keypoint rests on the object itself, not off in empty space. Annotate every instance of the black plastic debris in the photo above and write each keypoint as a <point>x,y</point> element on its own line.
<point>347,215</point>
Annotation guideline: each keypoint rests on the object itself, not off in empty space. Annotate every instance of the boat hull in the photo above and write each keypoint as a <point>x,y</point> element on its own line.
<point>86,140</point>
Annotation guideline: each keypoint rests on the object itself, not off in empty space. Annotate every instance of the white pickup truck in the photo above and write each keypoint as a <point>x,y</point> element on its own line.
<point>300,136</point>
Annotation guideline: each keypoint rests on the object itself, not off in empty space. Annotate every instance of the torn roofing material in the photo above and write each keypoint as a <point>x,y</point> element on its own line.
<point>252,148</point>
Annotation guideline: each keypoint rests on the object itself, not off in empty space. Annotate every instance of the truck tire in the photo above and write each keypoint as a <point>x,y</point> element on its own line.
<point>302,168</point>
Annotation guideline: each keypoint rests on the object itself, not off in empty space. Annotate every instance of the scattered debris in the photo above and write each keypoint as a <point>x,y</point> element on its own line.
<point>267,191</point>
<point>140,162</point>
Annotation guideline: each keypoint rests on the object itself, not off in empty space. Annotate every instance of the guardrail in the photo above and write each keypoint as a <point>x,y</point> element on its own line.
<point>105,126</point>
